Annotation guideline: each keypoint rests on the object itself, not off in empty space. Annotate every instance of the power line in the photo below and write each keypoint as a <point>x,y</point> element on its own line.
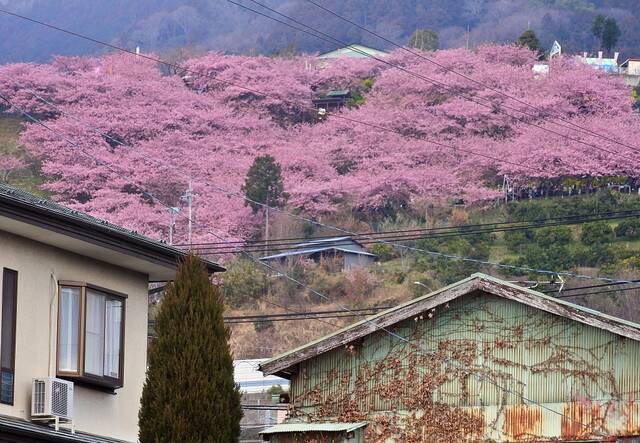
<point>311,243</point>
<point>411,344</point>
<point>255,91</point>
<point>298,315</point>
<point>585,294</point>
<point>448,361</point>
<point>594,286</point>
<point>467,77</point>
<point>469,229</point>
<point>432,253</point>
<point>338,116</point>
<point>420,76</point>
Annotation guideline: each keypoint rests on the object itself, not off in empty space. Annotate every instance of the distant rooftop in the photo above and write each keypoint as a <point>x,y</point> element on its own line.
<point>353,51</point>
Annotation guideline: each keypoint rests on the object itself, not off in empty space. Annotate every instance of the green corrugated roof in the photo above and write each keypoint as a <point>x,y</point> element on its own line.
<point>353,51</point>
<point>337,93</point>
<point>313,427</point>
<point>476,276</point>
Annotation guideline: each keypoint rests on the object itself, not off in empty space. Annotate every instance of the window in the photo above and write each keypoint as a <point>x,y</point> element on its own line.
<point>90,334</point>
<point>8,334</point>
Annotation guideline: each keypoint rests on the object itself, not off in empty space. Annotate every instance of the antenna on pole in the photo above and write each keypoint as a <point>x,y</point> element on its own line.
<point>468,35</point>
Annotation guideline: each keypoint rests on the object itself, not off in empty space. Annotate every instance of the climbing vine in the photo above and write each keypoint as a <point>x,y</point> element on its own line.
<point>466,374</point>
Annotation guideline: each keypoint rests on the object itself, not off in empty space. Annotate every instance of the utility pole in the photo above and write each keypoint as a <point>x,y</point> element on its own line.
<point>266,227</point>
<point>172,222</point>
<point>188,198</point>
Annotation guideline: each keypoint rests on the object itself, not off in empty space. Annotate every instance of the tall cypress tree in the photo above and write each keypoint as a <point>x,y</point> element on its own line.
<point>190,395</point>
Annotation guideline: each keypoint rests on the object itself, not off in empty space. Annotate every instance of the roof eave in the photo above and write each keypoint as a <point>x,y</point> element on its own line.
<point>149,250</point>
<point>283,364</point>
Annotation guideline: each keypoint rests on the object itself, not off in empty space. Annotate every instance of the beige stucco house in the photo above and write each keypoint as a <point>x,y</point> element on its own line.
<point>74,306</point>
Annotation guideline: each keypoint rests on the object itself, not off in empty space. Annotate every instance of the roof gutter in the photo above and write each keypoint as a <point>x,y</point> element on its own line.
<point>104,236</point>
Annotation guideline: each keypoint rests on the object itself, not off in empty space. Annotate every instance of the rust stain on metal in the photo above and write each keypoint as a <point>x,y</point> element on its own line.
<point>578,419</point>
<point>631,413</point>
<point>523,423</point>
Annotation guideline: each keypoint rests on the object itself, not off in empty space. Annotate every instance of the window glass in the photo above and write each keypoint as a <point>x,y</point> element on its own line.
<point>8,336</point>
<point>94,336</point>
<point>69,327</point>
<point>113,329</point>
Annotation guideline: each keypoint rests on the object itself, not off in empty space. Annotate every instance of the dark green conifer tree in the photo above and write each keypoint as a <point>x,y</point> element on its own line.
<point>529,39</point>
<point>264,184</point>
<point>189,394</point>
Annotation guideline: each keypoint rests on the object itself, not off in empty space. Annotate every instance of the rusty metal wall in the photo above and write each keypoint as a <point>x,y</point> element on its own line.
<point>583,372</point>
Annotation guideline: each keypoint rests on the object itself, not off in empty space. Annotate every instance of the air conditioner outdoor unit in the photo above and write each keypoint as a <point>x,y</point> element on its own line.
<point>52,398</point>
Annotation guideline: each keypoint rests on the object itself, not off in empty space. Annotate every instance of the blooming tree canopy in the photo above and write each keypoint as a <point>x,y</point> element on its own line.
<point>121,127</point>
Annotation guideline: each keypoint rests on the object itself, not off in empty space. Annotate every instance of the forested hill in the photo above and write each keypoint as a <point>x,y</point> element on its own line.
<point>161,25</point>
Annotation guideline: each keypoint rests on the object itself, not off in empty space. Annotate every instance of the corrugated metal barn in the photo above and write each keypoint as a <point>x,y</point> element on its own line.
<point>480,360</point>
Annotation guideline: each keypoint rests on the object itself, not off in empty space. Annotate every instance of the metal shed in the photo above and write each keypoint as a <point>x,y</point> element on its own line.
<point>479,360</point>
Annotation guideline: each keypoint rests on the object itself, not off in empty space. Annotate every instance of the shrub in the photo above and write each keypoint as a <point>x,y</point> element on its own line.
<point>632,262</point>
<point>558,235</point>
<point>459,217</point>
<point>515,239</point>
<point>384,251</point>
<point>243,282</point>
<point>449,271</point>
<point>277,389</point>
<point>361,281</point>
<point>556,256</point>
<point>333,285</point>
<point>628,229</point>
<point>262,326</point>
<point>596,254</point>
<point>596,233</point>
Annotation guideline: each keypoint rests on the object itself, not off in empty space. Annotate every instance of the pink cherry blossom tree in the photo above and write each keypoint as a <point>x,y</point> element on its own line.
<point>121,126</point>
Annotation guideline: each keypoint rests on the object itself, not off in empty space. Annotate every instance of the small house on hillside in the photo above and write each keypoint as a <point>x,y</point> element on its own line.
<point>332,100</point>
<point>479,360</point>
<point>353,51</point>
<point>349,252</point>
<point>630,69</point>
<point>631,66</point>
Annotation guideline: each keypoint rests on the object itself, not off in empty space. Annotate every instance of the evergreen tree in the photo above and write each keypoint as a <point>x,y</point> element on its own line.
<point>610,34</point>
<point>597,28</point>
<point>264,184</point>
<point>607,31</point>
<point>189,394</point>
<point>529,39</point>
<point>425,40</point>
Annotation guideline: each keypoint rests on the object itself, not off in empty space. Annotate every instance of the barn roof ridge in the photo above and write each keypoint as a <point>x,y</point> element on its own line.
<point>281,364</point>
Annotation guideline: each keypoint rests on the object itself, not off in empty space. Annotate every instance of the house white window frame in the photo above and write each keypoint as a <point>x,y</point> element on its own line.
<point>79,374</point>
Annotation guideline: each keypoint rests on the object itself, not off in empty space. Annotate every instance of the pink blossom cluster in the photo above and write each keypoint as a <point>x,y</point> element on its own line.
<point>207,124</point>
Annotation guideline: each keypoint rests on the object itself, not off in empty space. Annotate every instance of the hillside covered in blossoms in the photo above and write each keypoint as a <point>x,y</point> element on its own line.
<point>403,141</point>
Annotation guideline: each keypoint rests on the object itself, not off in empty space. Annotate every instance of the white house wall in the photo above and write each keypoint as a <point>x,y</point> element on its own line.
<point>37,265</point>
